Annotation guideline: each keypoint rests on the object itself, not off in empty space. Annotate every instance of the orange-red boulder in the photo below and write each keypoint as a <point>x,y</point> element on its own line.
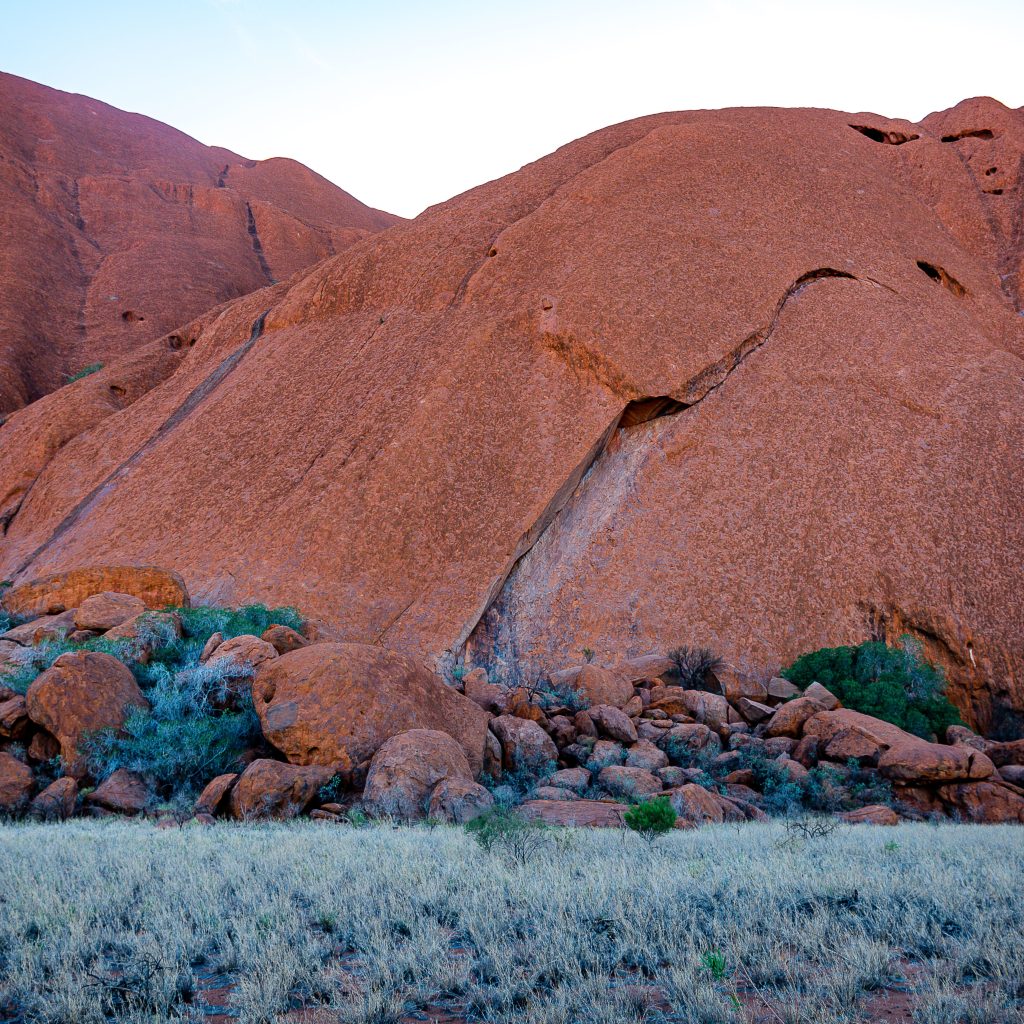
<point>404,772</point>
<point>695,804</point>
<point>575,813</point>
<point>82,692</point>
<point>107,610</point>
<point>338,704</point>
<point>56,802</point>
<point>459,801</point>
<point>986,803</point>
<point>283,638</point>
<point>916,762</point>
<point>525,746</point>
<point>789,718</point>
<point>124,792</point>
<point>65,591</point>
<point>850,387</point>
<point>872,814</point>
<point>212,798</point>
<point>243,653</point>
<point>16,784</point>
<point>843,734</point>
<point>272,789</point>
<point>597,685</point>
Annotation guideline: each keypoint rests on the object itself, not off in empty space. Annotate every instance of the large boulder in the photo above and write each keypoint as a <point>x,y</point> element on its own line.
<point>596,685</point>
<point>525,745</point>
<point>915,762</point>
<point>459,801</point>
<point>986,803</point>
<point>242,653</point>
<point>828,725</point>
<point>57,801</point>
<point>404,772</point>
<point>124,792</point>
<point>82,692</point>
<point>156,588</point>
<point>107,610</point>
<point>629,783</point>
<point>272,789</point>
<point>575,813</point>
<point>16,784</point>
<point>337,703</point>
<point>695,804</point>
<point>614,723</point>
<point>789,718</point>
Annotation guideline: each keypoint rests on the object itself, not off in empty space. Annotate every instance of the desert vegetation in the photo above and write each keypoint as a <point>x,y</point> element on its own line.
<point>119,921</point>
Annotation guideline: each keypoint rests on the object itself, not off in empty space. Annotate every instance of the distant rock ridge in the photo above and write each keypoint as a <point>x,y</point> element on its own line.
<point>746,378</point>
<point>118,229</point>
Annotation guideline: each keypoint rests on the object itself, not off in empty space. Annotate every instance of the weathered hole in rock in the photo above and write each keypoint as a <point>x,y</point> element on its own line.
<point>942,277</point>
<point>129,316</point>
<point>991,171</point>
<point>116,389</point>
<point>175,341</point>
<point>492,252</point>
<point>970,133</point>
<point>643,410</point>
<point>993,191</point>
<point>890,138</point>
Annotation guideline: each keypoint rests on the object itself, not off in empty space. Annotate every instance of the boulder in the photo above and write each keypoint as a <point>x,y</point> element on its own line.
<point>16,784</point>
<point>561,730</point>
<point>459,801</point>
<point>272,789</point>
<point>629,783</point>
<point>404,772</point>
<point>584,724</point>
<point>124,792</point>
<point>966,737</point>
<point>283,638</point>
<point>39,630</point>
<point>794,770</point>
<point>807,751</point>
<point>82,692</point>
<point>695,804</point>
<point>1011,752</point>
<point>653,668</point>
<point>690,739</point>
<point>917,761</point>
<point>782,689</point>
<point>337,703</point>
<point>734,685</point>
<point>776,745</point>
<point>1013,773</point>
<point>596,685</point>
<point>525,745</point>
<point>672,775</point>
<point>213,641</point>
<point>603,754</point>
<point>14,720</point>
<point>107,610</point>
<point>822,696</point>
<point>553,793</point>
<point>613,723</point>
<point>710,709</point>
<point>157,588</point>
<point>575,813</point>
<point>986,803</point>
<point>212,798</point>
<point>789,718</point>
<point>644,754</point>
<point>143,630</point>
<point>827,724</point>
<point>489,696</point>
<point>57,801</point>
<point>872,814</point>
<point>242,654</point>
<point>753,711</point>
<point>573,779</point>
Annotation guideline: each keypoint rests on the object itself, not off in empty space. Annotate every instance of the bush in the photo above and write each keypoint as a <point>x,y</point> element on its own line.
<point>651,818</point>
<point>895,684</point>
<point>693,664</point>
<point>503,831</point>
<point>85,371</point>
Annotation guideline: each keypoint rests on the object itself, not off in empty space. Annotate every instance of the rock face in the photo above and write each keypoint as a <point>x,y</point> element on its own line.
<point>852,386</point>
<point>80,693</point>
<point>339,703</point>
<point>119,228</point>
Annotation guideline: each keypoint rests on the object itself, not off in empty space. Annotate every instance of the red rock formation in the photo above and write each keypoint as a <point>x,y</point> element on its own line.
<point>745,378</point>
<point>117,229</point>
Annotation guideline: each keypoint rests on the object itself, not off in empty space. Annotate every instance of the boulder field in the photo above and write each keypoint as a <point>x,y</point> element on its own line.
<point>118,229</point>
<point>347,729</point>
<point>748,379</point>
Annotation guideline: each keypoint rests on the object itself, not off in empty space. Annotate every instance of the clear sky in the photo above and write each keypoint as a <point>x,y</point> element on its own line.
<point>405,104</point>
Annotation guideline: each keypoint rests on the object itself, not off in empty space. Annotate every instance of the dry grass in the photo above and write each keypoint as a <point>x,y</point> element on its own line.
<point>119,921</point>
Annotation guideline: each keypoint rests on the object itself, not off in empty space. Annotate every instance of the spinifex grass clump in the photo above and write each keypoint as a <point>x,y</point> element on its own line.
<point>895,684</point>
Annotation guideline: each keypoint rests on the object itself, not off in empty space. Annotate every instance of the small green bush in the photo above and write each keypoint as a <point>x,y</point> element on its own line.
<point>85,371</point>
<point>895,684</point>
<point>651,818</point>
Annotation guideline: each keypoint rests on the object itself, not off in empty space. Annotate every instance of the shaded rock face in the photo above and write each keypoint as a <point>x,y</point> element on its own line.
<point>119,229</point>
<point>749,378</point>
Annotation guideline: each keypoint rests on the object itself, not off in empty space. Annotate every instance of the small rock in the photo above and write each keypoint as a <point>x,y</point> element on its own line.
<point>575,779</point>
<point>644,754</point>
<point>605,753</point>
<point>283,638</point>
<point>215,640</point>
<point>873,814</point>
<point>782,689</point>
<point>818,692</point>
<point>212,798</point>
<point>789,718</point>
<point>459,800</point>
<point>16,784</point>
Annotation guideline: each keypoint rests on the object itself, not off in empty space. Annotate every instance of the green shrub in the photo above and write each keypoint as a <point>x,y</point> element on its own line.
<point>85,371</point>
<point>503,831</point>
<point>185,737</point>
<point>651,818</point>
<point>201,622</point>
<point>693,664</point>
<point>895,684</point>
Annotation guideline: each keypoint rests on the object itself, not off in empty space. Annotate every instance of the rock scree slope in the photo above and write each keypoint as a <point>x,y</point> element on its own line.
<point>750,378</point>
<point>117,229</point>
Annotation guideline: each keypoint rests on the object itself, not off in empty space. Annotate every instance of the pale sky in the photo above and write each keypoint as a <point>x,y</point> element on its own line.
<point>406,104</point>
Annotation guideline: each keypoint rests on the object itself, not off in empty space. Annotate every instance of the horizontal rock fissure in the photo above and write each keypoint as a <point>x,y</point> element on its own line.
<point>970,133</point>
<point>634,414</point>
<point>887,138</point>
<point>194,399</point>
